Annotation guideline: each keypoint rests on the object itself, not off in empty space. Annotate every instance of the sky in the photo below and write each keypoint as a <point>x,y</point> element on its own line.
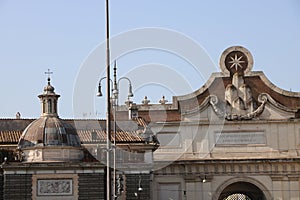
<point>65,36</point>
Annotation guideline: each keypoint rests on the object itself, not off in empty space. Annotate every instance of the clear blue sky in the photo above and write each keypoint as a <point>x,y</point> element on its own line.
<point>36,35</point>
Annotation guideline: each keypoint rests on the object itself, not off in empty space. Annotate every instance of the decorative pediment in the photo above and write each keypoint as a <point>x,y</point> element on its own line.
<point>245,95</point>
<point>239,103</point>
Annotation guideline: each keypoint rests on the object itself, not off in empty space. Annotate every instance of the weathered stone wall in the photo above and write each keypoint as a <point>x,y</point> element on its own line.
<point>215,179</point>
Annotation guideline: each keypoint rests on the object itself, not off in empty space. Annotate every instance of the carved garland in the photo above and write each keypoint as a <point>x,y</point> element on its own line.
<point>219,109</point>
<point>263,98</point>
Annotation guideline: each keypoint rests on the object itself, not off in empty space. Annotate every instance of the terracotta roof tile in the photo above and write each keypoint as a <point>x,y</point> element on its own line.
<point>89,131</point>
<point>141,122</point>
<point>86,136</point>
<point>91,136</point>
<point>10,137</point>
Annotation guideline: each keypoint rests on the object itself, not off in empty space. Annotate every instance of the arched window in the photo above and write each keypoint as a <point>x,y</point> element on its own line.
<point>44,106</point>
<point>49,106</point>
<point>55,106</point>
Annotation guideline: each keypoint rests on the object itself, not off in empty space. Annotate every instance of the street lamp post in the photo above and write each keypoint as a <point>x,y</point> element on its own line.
<point>108,109</point>
<point>113,100</point>
<point>108,114</point>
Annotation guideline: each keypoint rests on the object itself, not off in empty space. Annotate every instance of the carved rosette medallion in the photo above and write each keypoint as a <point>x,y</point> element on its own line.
<point>236,59</point>
<point>236,62</point>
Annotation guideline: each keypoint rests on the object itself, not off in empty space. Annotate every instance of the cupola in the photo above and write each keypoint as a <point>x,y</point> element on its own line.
<point>50,138</point>
<point>49,101</point>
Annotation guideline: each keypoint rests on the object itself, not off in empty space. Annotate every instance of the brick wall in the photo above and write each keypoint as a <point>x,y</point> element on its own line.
<point>1,186</point>
<point>17,186</point>
<point>132,185</point>
<point>91,186</point>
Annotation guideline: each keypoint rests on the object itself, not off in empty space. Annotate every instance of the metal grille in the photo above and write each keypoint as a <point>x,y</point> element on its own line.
<point>237,197</point>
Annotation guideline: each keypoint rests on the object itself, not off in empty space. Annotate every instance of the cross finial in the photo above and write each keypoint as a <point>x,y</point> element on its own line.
<point>49,73</point>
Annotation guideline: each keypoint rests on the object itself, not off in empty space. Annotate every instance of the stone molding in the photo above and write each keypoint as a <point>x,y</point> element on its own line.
<point>52,153</point>
<point>233,167</point>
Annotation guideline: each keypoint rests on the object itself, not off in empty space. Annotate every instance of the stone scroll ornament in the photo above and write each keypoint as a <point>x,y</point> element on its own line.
<point>239,102</point>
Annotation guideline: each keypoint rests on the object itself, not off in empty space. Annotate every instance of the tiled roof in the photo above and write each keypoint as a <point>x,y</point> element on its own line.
<point>89,131</point>
<point>86,136</point>
<point>14,124</point>
<point>10,137</point>
<point>141,122</point>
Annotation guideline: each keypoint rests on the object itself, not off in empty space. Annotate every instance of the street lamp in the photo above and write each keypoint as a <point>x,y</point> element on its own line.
<point>114,101</point>
<point>115,90</point>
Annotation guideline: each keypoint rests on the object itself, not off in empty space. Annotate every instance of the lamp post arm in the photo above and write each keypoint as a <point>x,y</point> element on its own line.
<point>101,79</point>
<point>99,94</point>
<point>130,93</point>
<point>124,77</point>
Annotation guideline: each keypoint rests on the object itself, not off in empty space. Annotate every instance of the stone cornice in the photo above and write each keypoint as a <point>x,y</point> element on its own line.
<point>273,167</point>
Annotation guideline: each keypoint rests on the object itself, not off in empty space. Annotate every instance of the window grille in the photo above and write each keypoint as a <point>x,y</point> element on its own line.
<point>237,197</point>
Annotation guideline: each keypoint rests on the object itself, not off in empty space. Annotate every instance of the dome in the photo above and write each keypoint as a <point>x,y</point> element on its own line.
<point>49,131</point>
<point>49,138</point>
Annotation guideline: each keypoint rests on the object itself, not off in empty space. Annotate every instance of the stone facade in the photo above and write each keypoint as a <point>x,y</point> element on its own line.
<point>238,136</point>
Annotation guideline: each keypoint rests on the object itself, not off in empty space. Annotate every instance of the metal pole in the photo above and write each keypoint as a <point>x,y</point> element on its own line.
<point>115,125</point>
<point>108,113</point>
<point>115,103</point>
